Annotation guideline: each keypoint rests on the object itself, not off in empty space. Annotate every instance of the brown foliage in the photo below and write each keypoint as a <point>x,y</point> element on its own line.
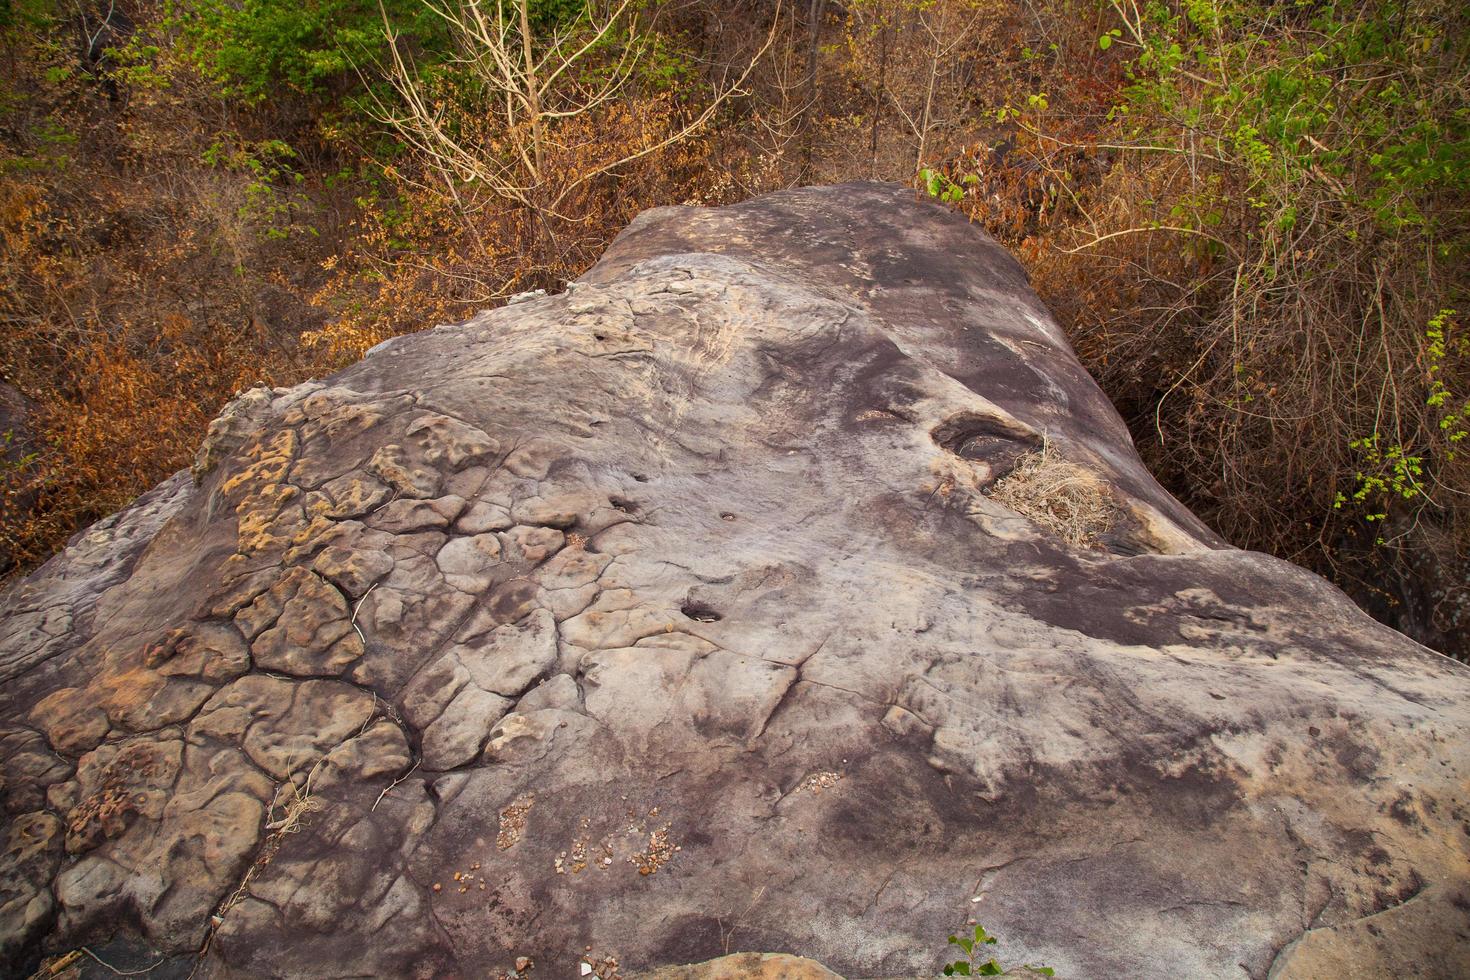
<point>149,269</point>
<point>139,290</point>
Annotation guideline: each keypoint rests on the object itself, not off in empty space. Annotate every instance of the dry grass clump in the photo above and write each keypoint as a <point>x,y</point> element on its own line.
<point>1061,496</point>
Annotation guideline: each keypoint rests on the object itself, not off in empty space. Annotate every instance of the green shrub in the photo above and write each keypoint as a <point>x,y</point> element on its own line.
<point>255,48</point>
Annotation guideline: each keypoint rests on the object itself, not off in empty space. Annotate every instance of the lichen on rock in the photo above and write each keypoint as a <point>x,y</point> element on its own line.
<point>691,611</point>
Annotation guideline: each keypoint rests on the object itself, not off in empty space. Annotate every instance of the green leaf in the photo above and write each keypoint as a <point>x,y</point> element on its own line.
<point>1105,42</point>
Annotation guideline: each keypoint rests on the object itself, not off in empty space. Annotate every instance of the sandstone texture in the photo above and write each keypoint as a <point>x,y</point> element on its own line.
<point>678,615</point>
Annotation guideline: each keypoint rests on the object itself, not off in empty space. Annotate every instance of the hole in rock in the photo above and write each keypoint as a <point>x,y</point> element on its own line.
<point>699,612</point>
<point>1122,546</point>
<point>983,439</point>
<point>626,506</point>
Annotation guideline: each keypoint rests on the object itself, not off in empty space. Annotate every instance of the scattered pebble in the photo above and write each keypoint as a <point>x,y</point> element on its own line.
<point>658,853</point>
<point>819,781</point>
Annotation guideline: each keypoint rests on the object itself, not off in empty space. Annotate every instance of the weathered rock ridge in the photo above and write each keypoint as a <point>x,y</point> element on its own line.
<point>679,615</point>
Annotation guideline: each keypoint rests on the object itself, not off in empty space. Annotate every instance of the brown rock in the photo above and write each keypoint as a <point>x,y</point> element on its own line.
<point>313,636</point>
<point>408,515</point>
<point>392,465</point>
<point>73,721</point>
<point>351,570</point>
<point>449,443</point>
<point>469,564</point>
<point>210,651</point>
<point>350,495</point>
<point>726,557</point>
<point>33,849</point>
<point>284,726</point>
<point>746,966</point>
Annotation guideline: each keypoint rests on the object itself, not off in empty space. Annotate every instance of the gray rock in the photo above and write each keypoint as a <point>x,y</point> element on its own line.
<point>785,586</point>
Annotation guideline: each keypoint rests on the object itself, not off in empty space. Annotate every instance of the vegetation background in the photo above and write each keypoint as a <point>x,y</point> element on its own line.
<point>1250,215</point>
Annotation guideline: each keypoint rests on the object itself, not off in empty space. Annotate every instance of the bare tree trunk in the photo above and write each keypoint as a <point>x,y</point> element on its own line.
<point>934,65</point>
<point>815,12</point>
<point>533,92</point>
<point>542,229</point>
<point>878,99</point>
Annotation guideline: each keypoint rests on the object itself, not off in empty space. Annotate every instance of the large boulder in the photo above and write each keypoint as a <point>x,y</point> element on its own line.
<point>785,585</point>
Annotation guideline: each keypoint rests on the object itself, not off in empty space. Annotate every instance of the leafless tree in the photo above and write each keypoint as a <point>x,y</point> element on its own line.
<point>532,83</point>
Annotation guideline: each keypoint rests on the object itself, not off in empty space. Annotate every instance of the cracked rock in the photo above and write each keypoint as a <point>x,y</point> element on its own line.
<point>703,556</point>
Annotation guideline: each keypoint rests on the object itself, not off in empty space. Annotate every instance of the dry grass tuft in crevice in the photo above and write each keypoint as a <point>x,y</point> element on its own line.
<point>1061,496</point>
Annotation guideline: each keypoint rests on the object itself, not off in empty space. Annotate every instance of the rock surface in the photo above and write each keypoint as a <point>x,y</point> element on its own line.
<point>673,616</point>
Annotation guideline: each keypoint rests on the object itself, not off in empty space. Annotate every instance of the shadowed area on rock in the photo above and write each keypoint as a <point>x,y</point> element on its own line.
<point>679,615</point>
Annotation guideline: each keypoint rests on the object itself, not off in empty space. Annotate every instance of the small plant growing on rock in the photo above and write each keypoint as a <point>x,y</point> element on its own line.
<point>974,947</point>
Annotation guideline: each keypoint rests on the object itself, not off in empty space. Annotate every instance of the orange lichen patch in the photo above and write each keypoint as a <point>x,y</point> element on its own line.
<point>272,462</point>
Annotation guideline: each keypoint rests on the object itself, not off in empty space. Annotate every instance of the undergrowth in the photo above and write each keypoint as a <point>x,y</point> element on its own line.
<point>1251,217</point>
